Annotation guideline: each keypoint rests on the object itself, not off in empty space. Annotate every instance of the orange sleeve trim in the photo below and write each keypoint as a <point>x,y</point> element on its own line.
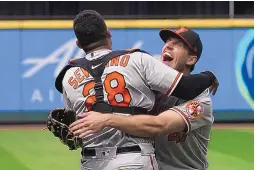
<point>185,117</point>
<point>174,83</point>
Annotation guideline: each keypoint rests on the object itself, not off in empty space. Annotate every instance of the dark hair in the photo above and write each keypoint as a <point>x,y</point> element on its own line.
<point>90,29</point>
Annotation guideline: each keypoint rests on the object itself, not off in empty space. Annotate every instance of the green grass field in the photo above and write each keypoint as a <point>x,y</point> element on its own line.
<point>39,150</point>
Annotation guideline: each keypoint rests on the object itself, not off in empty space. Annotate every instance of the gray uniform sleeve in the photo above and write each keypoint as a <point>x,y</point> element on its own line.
<point>196,113</point>
<point>66,101</point>
<point>159,76</point>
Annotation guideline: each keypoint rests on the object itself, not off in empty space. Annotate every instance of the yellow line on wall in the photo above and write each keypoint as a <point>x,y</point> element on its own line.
<point>131,23</point>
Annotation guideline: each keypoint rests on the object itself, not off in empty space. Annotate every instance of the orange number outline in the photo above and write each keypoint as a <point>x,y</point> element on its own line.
<point>90,99</point>
<point>119,89</point>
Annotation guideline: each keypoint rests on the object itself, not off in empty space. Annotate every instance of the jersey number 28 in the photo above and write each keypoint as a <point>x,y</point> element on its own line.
<point>115,87</point>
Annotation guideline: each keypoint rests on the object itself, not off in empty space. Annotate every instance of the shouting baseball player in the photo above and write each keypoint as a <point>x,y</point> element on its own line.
<point>118,81</point>
<point>182,132</point>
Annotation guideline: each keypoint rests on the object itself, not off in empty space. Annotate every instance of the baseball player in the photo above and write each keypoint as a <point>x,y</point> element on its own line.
<point>183,131</point>
<point>118,81</point>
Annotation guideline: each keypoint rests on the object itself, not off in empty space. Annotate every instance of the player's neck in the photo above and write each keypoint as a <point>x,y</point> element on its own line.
<point>106,47</point>
<point>186,71</point>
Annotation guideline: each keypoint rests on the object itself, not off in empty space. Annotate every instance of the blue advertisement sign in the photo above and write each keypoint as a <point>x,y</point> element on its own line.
<point>33,58</point>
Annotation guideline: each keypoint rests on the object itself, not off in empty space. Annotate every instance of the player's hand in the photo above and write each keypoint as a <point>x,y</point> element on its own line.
<point>89,123</point>
<point>213,88</point>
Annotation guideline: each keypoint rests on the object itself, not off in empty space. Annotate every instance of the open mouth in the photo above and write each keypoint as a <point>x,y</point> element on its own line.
<point>167,56</point>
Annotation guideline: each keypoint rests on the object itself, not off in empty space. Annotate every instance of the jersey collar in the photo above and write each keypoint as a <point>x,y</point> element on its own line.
<point>96,54</point>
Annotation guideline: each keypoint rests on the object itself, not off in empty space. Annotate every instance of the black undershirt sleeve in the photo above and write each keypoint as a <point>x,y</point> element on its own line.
<point>191,86</point>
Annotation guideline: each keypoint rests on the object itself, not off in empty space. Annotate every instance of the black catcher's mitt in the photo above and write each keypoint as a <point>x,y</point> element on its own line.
<point>58,123</point>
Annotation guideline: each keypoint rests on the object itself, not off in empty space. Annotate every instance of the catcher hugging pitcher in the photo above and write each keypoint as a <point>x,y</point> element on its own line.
<point>121,83</point>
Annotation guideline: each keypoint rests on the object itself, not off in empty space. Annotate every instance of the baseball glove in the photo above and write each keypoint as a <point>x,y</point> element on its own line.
<point>58,123</point>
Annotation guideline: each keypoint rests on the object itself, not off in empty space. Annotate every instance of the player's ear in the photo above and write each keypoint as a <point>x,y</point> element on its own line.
<point>108,33</point>
<point>192,59</point>
<point>108,38</point>
<point>78,44</point>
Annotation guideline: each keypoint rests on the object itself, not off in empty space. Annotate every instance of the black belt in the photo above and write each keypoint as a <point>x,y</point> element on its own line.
<point>127,149</point>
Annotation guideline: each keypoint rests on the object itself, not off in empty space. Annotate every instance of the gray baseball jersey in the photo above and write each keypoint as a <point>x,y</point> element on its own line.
<point>187,150</point>
<point>128,81</point>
